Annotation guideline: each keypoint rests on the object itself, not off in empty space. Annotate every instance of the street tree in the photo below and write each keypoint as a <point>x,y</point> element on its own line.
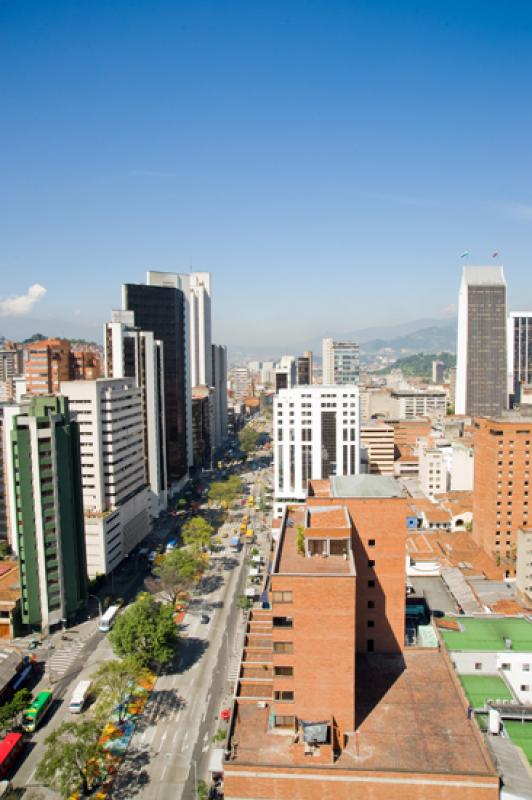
<point>226,491</point>
<point>248,437</point>
<point>146,630</point>
<point>73,758</point>
<point>113,682</point>
<point>10,712</point>
<point>178,572</point>
<point>197,533</point>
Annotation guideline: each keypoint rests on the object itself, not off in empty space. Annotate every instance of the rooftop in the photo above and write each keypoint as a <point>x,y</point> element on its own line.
<point>489,634</point>
<point>480,688</point>
<point>359,486</point>
<point>483,276</point>
<point>405,723</point>
<point>328,517</point>
<point>289,561</point>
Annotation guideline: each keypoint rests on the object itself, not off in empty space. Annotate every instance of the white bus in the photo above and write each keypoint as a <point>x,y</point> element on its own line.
<point>107,620</point>
<point>79,697</point>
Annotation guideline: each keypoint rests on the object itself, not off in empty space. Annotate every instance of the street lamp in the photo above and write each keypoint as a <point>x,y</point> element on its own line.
<point>195,778</point>
<point>95,597</point>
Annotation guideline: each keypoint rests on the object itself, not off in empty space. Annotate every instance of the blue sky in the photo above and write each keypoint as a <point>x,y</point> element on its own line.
<point>327,161</point>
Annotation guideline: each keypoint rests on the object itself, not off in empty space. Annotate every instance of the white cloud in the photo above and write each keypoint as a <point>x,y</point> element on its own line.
<point>21,305</point>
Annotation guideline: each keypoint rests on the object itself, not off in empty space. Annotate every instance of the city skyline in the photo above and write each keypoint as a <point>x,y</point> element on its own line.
<point>269,147</point>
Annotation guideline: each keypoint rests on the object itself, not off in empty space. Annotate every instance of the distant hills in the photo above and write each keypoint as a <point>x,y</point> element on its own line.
<point>427,340</point>
<point>420,364</point>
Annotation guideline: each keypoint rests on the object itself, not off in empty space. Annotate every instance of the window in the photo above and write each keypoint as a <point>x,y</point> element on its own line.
<point>524,687</point>
<point>371,584</point>
<point>371,603</point>
<point>284,695</point>
<point>282,597</point>
<point>371,563</point>
<point>370,645</point>
<point>371,623</point>
<point>526,668</point>
<point>288,672</point>
<point>478,665</point>
<point>507,667</point>
<point>285,721</point>
<point>371,542</point>
<point>283,647</point>
<point>283,622</point>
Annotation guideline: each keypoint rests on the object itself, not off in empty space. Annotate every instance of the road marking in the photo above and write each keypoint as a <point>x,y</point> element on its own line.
<point>30,779</point>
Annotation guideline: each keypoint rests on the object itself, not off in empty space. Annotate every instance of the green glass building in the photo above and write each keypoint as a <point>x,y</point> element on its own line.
<point>49,532</point>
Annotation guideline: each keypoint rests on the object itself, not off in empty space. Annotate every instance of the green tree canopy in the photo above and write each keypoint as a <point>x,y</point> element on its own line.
<point>146,630</point>
<point>248,437</point>
<point>178,571</point>
<point>197,533</point>
<point>113,683</point>
<point>226,491</point>
<point>73,757</point>
<point>9,712</point>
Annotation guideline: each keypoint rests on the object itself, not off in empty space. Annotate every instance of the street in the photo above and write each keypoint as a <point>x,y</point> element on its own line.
<point>171,746</point>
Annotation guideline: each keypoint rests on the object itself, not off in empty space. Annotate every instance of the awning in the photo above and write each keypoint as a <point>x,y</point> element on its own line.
<point>216,761</point>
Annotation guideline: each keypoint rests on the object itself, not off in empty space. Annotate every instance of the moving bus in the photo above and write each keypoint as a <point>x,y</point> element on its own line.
<point>108,619</point>
<point>79,697</point>
<point>11,747</point>
<point>33,715</point>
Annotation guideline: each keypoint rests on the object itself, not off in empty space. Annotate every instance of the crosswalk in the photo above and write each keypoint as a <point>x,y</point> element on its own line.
<point>62,659</point>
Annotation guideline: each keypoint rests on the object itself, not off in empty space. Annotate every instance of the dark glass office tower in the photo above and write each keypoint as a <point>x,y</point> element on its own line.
<point>161,309</point>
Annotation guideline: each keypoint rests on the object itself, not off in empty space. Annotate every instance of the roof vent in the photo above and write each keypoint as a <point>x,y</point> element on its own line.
<point>507,643</point>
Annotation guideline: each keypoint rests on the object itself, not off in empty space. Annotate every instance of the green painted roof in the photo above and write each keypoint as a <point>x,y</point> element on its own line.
<point>480,688</point>
<point>521,735</point>
<point>485,634</point>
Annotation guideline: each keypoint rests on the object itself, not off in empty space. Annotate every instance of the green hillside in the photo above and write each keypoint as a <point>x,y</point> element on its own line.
<point>420,364</point>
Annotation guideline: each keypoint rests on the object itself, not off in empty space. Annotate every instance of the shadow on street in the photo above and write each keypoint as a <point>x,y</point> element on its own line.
<point>167,701</point>
<point>189,651</point>
<point>132,778</point>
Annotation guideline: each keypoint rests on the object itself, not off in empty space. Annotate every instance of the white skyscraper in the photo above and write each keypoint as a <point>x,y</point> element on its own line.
<point>481,373</point>
<point>341,362</point>
<point>316,431</point>
<point>115,495</point>
<point>196,287</point>
<point>132,353</point>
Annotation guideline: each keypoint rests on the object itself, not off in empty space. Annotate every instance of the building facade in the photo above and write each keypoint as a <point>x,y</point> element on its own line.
<point>481,371</point>
<point>438,371</point>
<point>377,439</point>
<point>108,412</point>
<point>132,353</point>
<point>304,369</point>
<point>501,493</point>
<point>48,512</point>
<point>412,404</point>
<point>159,307</point>
<point>316,433</point>
<point>341,362</point>
<point>519,338</point>
<point>219,377</point>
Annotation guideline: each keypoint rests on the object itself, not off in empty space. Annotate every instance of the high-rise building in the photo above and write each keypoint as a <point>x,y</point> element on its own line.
<point>45,490</point>
<point>304,369</point>
<point>240,383</point>
<point>159,307</point>
<point>519,353</point>
<point>132,353</point>
<point>115,497</point>
<point>501,482</point>
<point>219,377</point>
<point>202,426</point>
<point>316,432</point>
<point>47,364</point>
<point>285,373</point>
<point>341,362</point>
<point>481,376</point>
<point>438,371</point>
<point>196,288</point>
<point>4,471</point>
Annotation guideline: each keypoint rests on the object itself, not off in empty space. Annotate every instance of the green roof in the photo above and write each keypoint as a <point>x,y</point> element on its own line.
<point>479,688</point>
<point>485,634</point>
<point>521,734</point>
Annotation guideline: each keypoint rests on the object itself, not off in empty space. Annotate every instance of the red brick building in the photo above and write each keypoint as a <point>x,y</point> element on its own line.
<point>501,489</point>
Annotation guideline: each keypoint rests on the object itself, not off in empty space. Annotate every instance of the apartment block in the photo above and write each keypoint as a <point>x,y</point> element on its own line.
<point>304,367</point>
<point>523,567</point>
<point>438,371</point>
<point>501,495</point>
<point>433,472</point>
<point>377,439</point>
<point>325,683</point>
<point>341,362</point>
<point>45,491</point>
<point>135,354</point>
<point>412,404</point>
<point>115,496</point>
<point>286,373</point>
<point>316,433</point>
<point>47,365</point>
<point>481,369</point>
<point>240,383</point>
